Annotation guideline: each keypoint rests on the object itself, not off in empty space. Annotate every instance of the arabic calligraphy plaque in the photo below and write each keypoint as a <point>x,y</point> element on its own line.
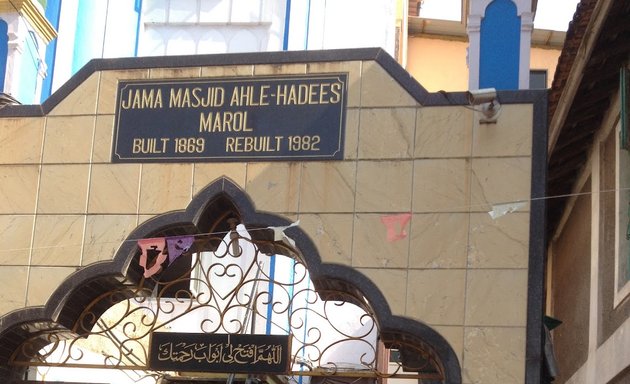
<point>208,352</point>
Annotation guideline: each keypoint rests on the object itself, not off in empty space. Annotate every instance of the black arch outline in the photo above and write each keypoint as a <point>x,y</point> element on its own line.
<point>67,302</point>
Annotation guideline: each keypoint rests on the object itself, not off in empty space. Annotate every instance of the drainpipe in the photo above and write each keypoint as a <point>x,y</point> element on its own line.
<point>138,8</point>
<point>308,25</point>
<point>287,19</point>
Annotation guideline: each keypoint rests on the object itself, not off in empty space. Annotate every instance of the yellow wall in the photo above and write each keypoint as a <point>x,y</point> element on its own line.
<point>438,64</point>
<point>543,58</point>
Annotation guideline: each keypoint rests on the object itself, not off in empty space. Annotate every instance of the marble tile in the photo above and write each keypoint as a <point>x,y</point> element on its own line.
<point>68,139</point>
<point>351,137</point>
<point>371,246</point>
<point>279,69</point>
<point>103,136</point>
<point>499,181</point>
<point>454,335</point>
<point>227,71</point>
<point>18,188</point>
<point>21,140</point>
<point>331,234</point>
<point>439,240</point>
<point>82,99</point>
<point>63,189</point>
<point>494,355</point>
<point>44,281</point>
<point>274,187</point>
<point>142,219</point>
<point>175,73</point>
<point>391,283</point>
<point>386,133</point>
<point>114,188</point>
<point>352,68</point>
<point>104,234</point>
<point>499,243</point>
<point>327,187</point>
<point>496,297</point>
<point>15,234</point>
<point>384,186</point>
<point>379,89</point>
<point>206,173</point>
<point>13,292</point>
<point>109,87</point>
<point>441,185</point>
<point>57,240</point>
<point>510,136</point>
<point>443,132</point>
<point>436,296</point>
<point>165,187</point>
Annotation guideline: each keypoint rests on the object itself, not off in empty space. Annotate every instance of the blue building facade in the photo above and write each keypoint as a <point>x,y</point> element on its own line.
<point>65,34</point>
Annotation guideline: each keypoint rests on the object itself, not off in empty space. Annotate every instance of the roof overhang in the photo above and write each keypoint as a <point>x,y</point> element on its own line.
<point>585,83</point>
<point>456,29</point>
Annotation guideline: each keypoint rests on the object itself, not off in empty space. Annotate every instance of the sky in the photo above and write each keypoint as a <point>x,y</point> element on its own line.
<point>554,14</point>
<point>550,14</point>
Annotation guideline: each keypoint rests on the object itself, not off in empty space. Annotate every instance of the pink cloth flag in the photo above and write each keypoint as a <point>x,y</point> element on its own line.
<point>395,225</point>
<point>152,255</point>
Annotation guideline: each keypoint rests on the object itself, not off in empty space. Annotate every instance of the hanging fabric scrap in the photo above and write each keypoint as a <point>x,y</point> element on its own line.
<point>499,210</point>
<point>177,245</point>
<point>395,225</point>
<point>152,255</point>
<point>279,235</point>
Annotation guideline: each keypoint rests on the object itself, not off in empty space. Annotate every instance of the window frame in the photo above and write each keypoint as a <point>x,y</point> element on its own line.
<point>622,222</point>
<point>538,72</point>
<point>622,214</point>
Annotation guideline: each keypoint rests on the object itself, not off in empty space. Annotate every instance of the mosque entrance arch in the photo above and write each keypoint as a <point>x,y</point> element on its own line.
<point>220,292</point>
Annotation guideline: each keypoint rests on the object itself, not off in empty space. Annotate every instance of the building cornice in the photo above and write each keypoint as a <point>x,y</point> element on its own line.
<point>33,12</point>
<point>455,30</point>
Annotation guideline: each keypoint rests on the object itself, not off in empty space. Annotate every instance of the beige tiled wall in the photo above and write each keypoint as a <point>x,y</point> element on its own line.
<point>21,140</point>
<point>64,205</point>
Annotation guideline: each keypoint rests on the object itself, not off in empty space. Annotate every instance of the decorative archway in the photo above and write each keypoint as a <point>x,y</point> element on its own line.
<point>224,281</point>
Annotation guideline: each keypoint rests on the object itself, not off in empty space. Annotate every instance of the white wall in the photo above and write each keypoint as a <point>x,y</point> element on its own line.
<point>184,27</point>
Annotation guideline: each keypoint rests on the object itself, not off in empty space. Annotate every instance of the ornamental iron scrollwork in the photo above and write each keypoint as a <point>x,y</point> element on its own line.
<point>233,288</point>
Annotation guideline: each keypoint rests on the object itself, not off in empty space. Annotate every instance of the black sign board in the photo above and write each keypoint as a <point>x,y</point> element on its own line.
<point>209,352</point>
<point>231,119</point>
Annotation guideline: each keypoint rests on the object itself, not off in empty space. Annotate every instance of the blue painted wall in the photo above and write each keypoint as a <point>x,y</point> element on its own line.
<point>500,46</point>
<point>53,11</point>
<point>4,51</point>
<point>88,38</point>
<point>28,73</point>
<point>137,7</point>
<point>105,29</point>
